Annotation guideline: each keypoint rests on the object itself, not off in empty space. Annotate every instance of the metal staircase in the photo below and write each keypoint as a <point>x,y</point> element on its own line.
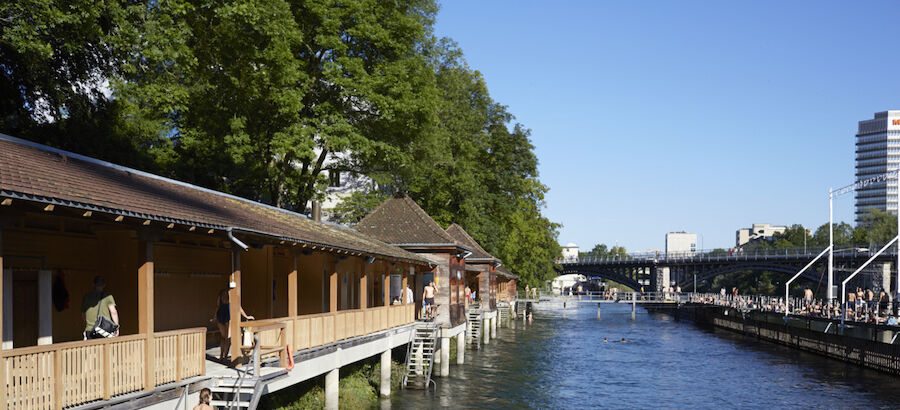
<point>236,393</point>
<point>503,312</point>
<point>420,355</point>
<point>474,317</point>
<point>520,308</point>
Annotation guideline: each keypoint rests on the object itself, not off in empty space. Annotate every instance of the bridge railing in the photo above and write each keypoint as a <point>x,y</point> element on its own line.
<point>753,253</point>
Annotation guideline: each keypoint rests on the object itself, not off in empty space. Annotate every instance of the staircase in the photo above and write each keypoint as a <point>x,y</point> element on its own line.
<point>236,393</point>
<point>474,320</point>
<point>503,312</point>
<point>420,355</point>
<point>520,308</point>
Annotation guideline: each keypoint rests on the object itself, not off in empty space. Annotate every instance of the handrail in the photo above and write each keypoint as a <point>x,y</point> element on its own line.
<point>787,285</point>
<point>93,342</point>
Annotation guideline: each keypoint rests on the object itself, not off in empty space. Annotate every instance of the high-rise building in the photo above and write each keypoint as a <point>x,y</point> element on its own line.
<point>877,152</point>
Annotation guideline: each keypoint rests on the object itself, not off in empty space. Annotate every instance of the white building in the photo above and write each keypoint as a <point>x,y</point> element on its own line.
<point>565,282</point>
<point>570,253</point>
<point>757,231</point>
<point>877,152</point>
<point>681,243</point>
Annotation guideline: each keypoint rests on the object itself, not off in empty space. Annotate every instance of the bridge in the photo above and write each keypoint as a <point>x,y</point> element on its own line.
<point>655,269</point>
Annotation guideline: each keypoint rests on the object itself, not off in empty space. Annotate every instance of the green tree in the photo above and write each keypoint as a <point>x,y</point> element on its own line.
<point>356,206</point>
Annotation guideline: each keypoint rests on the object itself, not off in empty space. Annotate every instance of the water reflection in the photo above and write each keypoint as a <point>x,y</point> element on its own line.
<point>563,363</point>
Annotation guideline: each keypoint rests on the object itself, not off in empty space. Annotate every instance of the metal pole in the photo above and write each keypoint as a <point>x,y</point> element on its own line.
<point>830,292</point>
<point>695,283</point>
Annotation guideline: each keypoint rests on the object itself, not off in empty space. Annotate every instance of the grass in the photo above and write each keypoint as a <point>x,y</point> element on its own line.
<point>358,387</point>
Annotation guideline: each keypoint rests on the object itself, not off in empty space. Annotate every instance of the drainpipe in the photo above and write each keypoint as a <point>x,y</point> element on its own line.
<point>236,240</point>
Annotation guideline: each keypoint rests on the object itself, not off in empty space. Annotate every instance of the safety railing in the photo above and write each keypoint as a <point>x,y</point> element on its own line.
<point>733,254</point>
<point>308,331</point>
<point>73,373</point>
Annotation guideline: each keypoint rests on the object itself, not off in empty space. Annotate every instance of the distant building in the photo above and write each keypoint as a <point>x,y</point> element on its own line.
<point>877,152</point>
<point>683,243</point>
<point>758,231</point>
<point>570,252</point>
<point>564,283</point>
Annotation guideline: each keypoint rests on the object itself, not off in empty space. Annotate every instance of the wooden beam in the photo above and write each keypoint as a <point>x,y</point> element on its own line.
<point>333,289</point>
<point>363,284</point>
<point>234,299</point>
<point>292,289</point>
<point>6,202</point>
<point>119,218</point>
<point>49,208</point>
<point>145,310</point>
<point>404,283</point>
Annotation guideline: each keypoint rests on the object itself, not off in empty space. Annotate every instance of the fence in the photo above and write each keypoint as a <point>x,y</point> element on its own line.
<point>73,373</point>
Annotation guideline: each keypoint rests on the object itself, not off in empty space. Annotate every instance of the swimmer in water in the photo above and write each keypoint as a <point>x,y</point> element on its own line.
<point>624,341</point>
<point>604,340</point>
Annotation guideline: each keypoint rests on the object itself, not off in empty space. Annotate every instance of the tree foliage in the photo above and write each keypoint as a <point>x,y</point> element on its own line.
<point>263,99</point>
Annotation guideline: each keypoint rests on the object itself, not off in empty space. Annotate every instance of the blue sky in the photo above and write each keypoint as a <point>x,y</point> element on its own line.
<point>651,117</point>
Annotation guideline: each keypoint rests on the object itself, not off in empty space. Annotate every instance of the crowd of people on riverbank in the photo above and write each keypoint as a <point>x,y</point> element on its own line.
<point>863,305</point>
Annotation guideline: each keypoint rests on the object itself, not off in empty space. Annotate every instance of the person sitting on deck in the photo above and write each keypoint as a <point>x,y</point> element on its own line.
<point>223,317</point>
<point>98,303</point>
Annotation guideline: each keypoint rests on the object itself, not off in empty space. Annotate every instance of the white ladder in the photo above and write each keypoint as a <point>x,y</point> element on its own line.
<point>474,320</point>
<point>420,355</point>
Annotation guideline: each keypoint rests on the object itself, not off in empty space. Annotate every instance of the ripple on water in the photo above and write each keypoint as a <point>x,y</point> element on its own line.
<point>558,362</point>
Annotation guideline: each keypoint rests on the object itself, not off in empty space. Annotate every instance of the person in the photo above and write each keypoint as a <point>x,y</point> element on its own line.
<point>223,317</point>
<point>604,340</point>
<point>428,296</point>
<point>410,299</point>
<point>468,296</point>
<point>624,341</point>
<point>722,293</point>
<point>205,398</point>
<point>98,303</point>
<point>807,296</point>
<point>527,291</point>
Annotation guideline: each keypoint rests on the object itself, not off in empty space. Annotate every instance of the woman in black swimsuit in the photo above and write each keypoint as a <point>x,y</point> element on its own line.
<point>223,316</point>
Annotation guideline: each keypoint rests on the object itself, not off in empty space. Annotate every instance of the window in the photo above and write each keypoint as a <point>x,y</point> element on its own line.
<point>334,178</point>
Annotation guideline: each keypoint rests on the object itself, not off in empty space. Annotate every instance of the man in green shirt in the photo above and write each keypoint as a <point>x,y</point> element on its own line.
<point>98,302</point>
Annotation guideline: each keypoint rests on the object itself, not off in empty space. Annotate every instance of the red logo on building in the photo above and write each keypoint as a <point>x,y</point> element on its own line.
<point>896,122</point>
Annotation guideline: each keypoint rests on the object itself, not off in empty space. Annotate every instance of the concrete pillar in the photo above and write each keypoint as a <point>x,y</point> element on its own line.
<point>494,327</point>
<point>385,387</point>
<point>445,356</point>
<point>461,348</point>
<point>437,351</point>
<point>485,324</point>
<point>7,309</point>
<point>332,380</point>
<point>45,308</point>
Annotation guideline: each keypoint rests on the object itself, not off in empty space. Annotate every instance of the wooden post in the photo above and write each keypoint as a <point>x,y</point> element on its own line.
<point>270,279</point>
<point>333,289</point>
<point>292,290</point>
<point>363,284</point>
<point>179,360</point>
<point>106,364</point>
<point>386,288</point>
<point>234,300</point>
<point>57,380</point>
<point>145,310</point>
<point>403,283</point>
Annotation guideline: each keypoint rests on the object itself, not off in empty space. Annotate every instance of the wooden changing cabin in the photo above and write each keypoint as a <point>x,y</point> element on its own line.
<point>166,250</point>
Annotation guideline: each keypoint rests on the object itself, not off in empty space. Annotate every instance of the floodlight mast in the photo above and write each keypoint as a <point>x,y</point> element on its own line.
<point>852,188</point>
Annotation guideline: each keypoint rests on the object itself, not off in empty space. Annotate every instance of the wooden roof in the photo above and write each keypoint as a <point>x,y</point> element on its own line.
<point>37,173</point>
<point>463,237</point>
<point>402,222</point>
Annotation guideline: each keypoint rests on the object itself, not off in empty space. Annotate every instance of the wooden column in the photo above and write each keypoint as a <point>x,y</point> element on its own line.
<point>234,300</point>
<point>386,285</point>
<point>5,302</point>
<point>145,310</point>
<point>292,289</point>
<point>333,289</point>
<point>403,283</point>
<point>363,284</point>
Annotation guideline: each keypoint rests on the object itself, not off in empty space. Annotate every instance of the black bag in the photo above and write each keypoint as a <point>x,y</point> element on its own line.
<point>103,327</point>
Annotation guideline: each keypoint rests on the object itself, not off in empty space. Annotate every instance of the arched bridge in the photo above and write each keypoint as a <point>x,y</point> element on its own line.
<point>655,269</point>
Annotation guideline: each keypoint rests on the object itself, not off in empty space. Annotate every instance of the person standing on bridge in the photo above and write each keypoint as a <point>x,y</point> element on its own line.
<point>807,297</point>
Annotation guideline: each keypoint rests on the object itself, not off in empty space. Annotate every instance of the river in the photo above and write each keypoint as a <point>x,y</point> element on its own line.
<point>558,362</point>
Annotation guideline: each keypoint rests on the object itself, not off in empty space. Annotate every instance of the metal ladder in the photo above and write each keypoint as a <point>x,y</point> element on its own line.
<point>520,308</point>
<point>242,391</point>
<point>420,355</point>
<point>474,320</point>
<point>503,312</point>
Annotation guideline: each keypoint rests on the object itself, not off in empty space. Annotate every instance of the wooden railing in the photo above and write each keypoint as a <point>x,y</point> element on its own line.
<point>307,331</point>
<point>68,374</point>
